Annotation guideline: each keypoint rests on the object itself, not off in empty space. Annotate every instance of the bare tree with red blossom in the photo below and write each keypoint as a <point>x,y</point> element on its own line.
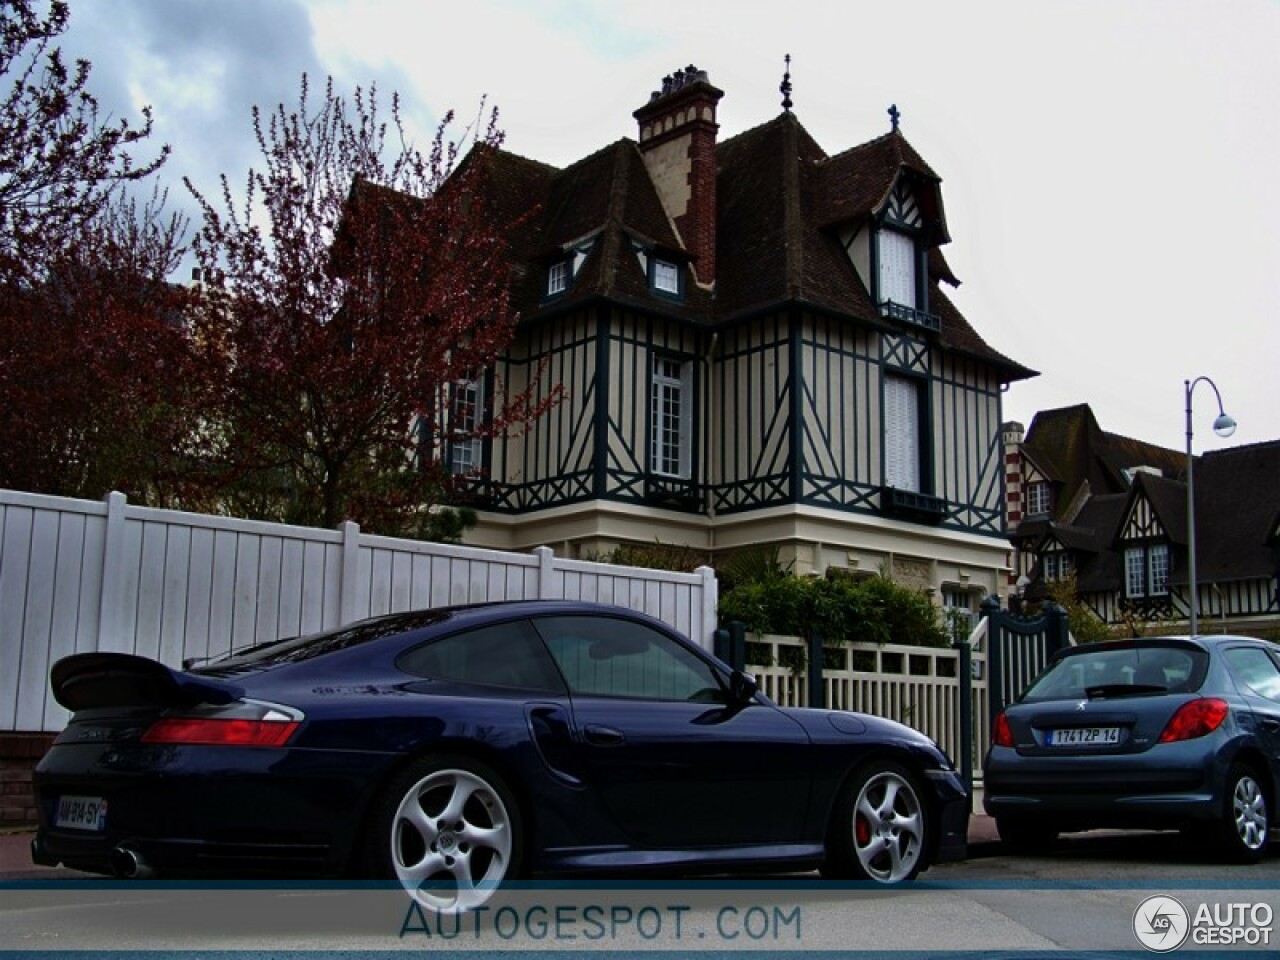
<point>345,291</point>
<point>92,358</point>
<point>59,160</point>
<point>98,389</point>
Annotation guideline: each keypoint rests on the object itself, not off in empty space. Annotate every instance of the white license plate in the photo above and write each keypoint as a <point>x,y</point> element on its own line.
<point>82,813</point>
<point>1083,736</point>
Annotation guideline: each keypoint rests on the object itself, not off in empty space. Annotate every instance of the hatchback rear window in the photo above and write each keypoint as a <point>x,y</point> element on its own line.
<point>1123,671</point>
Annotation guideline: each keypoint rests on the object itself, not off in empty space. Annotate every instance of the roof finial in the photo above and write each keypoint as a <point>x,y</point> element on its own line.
<point>894,115</point>
<point>785,87</point>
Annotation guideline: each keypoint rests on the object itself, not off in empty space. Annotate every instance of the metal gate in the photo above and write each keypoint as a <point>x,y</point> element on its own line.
<point>1018,649</point>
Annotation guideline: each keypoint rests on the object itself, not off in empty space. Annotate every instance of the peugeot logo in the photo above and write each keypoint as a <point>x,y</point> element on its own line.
<point>1082,704</point>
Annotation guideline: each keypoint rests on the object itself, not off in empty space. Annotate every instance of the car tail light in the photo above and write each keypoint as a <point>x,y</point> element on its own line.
<point>1001,735</point>
<point>1195,719</point>
<point>214,731</point>
<point>245,723</point>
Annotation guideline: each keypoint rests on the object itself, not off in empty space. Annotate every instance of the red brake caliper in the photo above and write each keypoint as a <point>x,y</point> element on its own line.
<point>861,830</point>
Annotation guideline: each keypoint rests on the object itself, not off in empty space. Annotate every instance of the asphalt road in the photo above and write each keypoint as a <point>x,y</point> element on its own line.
<point>1088,895</point>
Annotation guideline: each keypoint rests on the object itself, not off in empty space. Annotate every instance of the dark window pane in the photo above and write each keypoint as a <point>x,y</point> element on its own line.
<point>500,655</point>
<point>609,657</point>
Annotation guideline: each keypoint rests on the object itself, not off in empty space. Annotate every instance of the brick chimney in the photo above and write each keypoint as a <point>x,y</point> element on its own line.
<point>678,142</point>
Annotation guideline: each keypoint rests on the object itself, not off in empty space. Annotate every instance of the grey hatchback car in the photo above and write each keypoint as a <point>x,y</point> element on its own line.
<point>1151,733</point>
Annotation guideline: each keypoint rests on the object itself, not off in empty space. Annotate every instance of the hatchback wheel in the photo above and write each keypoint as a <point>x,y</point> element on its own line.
<point>879,828</point>
<point>1242,832</point>
<point>449,830</point>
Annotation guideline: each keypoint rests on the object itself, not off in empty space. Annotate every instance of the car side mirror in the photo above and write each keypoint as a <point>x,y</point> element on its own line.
<point>742,687</point>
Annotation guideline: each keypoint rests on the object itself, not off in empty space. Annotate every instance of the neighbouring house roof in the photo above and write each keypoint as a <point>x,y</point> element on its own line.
<point>1090,537</point>
<point>1071,450</point>
<point>780,202</point>
<point>1237,502</point>
<point>1237,507</point>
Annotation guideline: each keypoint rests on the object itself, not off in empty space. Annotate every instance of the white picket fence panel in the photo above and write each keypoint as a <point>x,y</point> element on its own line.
<point>79,575</point>
<point>918,686</point>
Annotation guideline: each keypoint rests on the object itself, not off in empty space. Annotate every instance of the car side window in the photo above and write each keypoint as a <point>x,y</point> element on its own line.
<point>499,655</point>
<point>1256,671</point>
<point>614,657</point>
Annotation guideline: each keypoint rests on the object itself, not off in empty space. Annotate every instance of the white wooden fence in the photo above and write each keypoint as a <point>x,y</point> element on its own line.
<point>918,686</point>
<point>78,575</point>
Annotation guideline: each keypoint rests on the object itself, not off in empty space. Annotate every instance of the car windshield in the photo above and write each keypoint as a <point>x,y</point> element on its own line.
<point>295,649</point>
<point>1120,672</point>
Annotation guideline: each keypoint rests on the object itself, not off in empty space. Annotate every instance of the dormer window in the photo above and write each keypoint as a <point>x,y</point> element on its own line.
<point>899,271</point>
<point>1056,566</point>
<point>666,277</point>
<point>1146,571</point>
<point>558,278</point>
<point>1038,498</point>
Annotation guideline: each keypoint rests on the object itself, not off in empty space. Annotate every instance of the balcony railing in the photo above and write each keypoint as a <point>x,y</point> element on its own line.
<point>922,507</point>
<point>917,318</point>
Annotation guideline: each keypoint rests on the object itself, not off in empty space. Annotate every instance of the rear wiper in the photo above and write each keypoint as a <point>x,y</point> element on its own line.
<point>1107,690</point>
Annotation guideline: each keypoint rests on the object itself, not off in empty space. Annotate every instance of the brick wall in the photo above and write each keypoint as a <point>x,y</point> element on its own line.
<point>19,753</point>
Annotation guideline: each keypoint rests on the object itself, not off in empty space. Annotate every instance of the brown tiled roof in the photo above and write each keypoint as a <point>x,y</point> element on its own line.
<point>607,197</point>
<point>1237,502</point>
<point>1237,505</point>
<point>1168,499</point>
<point>1101,570</point>
<point>780,200</point>
<point>1070,447</point>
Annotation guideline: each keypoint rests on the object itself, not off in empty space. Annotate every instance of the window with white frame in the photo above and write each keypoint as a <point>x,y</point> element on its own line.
<point>671,393</point>
<point>558,278</point>
<point>902,441</point>
<point>897,253</point>
<point>1158,569</point>
<point>1056,566</point>
<point>1146,570</point>
<point>465,448</point>
<point>666,276</point>
<point>957,609</point>
<point>1038,500</point>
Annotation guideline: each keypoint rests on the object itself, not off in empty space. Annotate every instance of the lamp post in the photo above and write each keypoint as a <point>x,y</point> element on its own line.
<point>1223,426</point>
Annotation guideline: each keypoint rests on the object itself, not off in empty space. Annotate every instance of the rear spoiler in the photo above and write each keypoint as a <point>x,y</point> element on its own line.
<point>88,680</point>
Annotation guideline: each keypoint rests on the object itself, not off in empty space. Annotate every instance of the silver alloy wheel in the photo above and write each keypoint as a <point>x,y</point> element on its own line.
<point>1249,808</point>
<point>451,840</point>
<point>888,828</point>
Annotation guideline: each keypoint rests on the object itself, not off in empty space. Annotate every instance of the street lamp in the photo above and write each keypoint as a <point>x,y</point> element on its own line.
<point>1223,426</point>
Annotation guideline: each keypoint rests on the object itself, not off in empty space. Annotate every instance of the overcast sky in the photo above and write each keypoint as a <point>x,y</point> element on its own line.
<point>1111,168</point>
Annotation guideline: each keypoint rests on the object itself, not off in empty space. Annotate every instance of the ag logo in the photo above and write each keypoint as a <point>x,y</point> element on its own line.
<point>1161,924</point>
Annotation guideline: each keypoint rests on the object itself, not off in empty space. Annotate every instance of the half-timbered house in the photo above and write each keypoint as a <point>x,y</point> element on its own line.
<point>1111,512</point>
<point>755,348</point>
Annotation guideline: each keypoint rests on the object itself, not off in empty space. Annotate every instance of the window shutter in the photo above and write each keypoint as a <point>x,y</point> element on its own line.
<point>897,268</point>
<point>901,434</point>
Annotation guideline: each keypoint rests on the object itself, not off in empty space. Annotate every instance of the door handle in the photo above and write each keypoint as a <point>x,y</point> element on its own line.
<point>603,736</point>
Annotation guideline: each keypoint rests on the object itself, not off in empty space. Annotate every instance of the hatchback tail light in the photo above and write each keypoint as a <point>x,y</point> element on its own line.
<point>1195,719</point>
<point>244,724</point>
<point>1001,735</point>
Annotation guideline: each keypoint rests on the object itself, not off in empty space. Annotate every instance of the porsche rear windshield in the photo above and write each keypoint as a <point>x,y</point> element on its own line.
<point>1122,671</point>
<point>295,649</point>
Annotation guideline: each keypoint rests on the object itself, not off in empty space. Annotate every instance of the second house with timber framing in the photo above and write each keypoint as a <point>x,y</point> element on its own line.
<point>754,348</point>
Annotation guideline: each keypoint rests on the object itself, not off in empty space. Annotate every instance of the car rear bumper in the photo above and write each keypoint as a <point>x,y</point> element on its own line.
<point>205,810</point>
<point>1165,788</point>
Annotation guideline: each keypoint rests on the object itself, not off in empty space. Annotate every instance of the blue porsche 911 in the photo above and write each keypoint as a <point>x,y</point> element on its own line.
<point>454,749</point>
